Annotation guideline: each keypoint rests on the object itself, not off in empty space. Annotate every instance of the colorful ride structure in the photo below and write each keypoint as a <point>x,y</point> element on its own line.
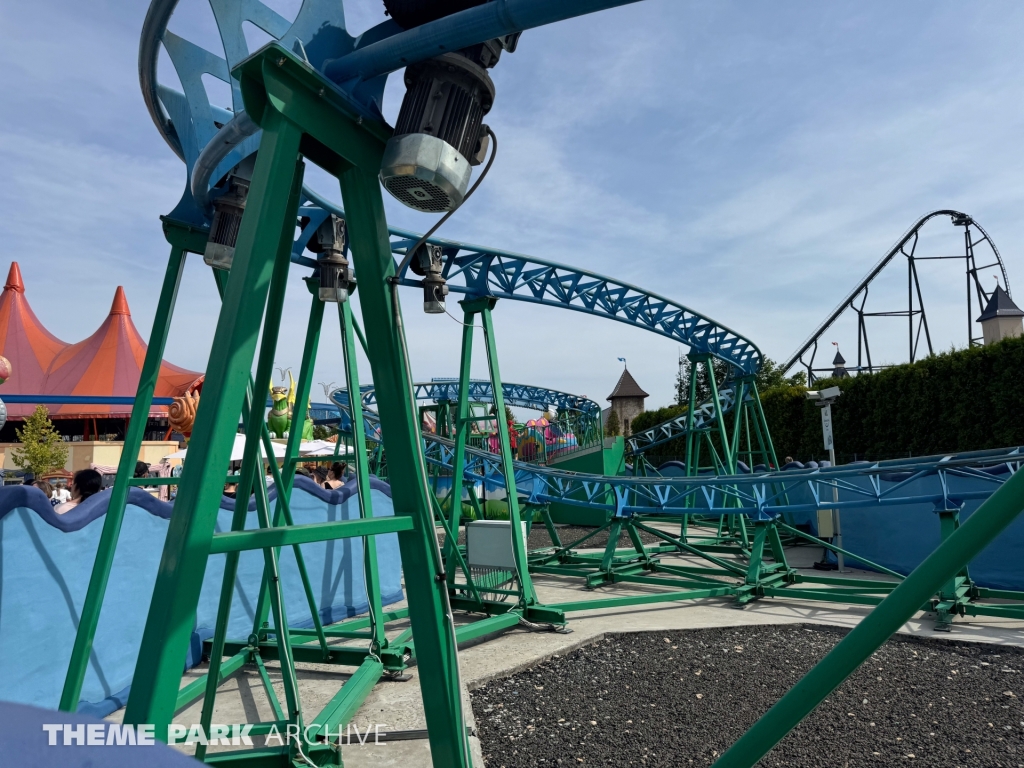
<point>313,94</point>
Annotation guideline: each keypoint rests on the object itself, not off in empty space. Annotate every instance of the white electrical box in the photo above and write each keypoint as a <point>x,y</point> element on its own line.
<point>826,530</point>
<point>489,544</point>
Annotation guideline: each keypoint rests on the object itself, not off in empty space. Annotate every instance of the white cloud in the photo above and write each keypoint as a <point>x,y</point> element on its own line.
<point>748,160</point>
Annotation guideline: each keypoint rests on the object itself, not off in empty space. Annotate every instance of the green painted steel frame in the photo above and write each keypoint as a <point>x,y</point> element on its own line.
<point>526,593</point>
<point>279,168</point>
<point>301,116</point>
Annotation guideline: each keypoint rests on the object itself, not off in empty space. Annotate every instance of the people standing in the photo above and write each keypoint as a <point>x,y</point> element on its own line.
<point>60,495</point>
<point>85,483</point>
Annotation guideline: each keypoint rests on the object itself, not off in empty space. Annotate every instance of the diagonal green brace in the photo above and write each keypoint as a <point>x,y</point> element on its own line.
<point>952,555</point>
<point>119,494</point>
<point>179,580</point>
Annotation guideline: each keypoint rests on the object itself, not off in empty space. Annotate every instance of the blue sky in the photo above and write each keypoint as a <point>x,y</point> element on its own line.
<point>750,160</point>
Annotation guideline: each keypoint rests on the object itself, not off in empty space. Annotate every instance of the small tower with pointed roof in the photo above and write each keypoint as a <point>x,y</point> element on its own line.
<point>839,366</point>
<point>627,400</point>
<point>1001,318</point>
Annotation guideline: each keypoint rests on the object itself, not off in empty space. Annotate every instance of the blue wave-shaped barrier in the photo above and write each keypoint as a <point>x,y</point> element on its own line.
<point>46,560</point>
<point>900,536</point>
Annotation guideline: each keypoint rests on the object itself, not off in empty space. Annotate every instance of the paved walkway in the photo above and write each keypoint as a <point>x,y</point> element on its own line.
<point>397,705</point>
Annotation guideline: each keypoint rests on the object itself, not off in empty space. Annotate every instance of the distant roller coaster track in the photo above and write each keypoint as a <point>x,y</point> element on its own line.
<point>953,479</point>
<point>915,312</point>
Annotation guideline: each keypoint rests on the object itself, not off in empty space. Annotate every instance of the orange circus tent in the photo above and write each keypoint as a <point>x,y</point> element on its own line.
<point>107,364</point>
<point>25,342</point>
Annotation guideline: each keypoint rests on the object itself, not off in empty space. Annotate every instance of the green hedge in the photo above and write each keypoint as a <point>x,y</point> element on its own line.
<point>962,400</point>
<point>647,419</point>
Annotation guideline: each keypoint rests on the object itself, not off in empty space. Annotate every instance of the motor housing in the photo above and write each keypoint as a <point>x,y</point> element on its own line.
<point>440,133</point>
<point>227,220</point>
<point>335,275</point>
<point>428,263</point>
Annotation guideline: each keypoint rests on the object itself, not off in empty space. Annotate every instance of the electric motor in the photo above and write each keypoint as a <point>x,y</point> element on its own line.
<point>227,219</point>
<point>439,133</point>
<point>335,275</point>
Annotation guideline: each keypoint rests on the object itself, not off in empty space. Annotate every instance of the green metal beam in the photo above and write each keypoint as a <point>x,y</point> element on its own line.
<point>183,563</point>
<point>370,568</point>
<point>484,307</point>
<point>238,541</point>
<point>340,655</point>
<point>118,501</point>
<point>195,689</point>
<point>343,706</point>
<point>662,597</point>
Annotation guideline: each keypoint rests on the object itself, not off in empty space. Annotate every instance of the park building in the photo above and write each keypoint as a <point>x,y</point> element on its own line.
<point>627,400</point>
<point>1001,318</point>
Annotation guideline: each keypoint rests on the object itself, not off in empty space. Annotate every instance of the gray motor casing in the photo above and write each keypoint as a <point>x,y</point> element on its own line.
<point>425,172</point>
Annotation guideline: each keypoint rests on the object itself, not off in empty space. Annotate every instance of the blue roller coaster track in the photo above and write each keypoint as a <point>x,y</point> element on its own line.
<point>945,481</point>
<point>212,141</point>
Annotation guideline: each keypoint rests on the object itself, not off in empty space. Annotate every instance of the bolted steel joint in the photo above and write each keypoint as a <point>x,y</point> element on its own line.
<point>329,243</point>
<point>429,262</point>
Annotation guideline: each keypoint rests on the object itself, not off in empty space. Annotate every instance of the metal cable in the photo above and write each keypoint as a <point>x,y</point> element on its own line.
<point>409,253</point>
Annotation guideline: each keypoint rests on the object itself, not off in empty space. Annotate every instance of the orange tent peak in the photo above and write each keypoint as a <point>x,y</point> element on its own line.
<point>14,281</point>
<point>120,305</point>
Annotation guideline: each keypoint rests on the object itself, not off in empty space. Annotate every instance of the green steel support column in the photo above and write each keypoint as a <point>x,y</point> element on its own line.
<point>775,543</point>
<point>126,469</point>
<point>954,589</point>
<point>760,438</point>
<point>291,455</point>
<point>428,605</point>
<point>737,412</point>
<point>691,466</point>
<point>183,563</point>
<point>505,444</point>
<point>278,86</point>
<point>763,424</point>
<point>613,542</point>
<point>459,459</point>
<point>251,456</point>
<point>550,525</point>
<point>991,518</point>
<point>730,458</point>
<point>284,644</point>
<point>373,598</point>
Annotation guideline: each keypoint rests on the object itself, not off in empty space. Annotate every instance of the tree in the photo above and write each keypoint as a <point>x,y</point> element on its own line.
<point>771,375</point>
<point>42,448</point>
<point>722,369</point>
<point>612,427</point>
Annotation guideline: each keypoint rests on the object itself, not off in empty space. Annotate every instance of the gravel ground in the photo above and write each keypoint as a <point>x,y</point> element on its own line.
<point>681,698</point>
<point>568,534</point>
